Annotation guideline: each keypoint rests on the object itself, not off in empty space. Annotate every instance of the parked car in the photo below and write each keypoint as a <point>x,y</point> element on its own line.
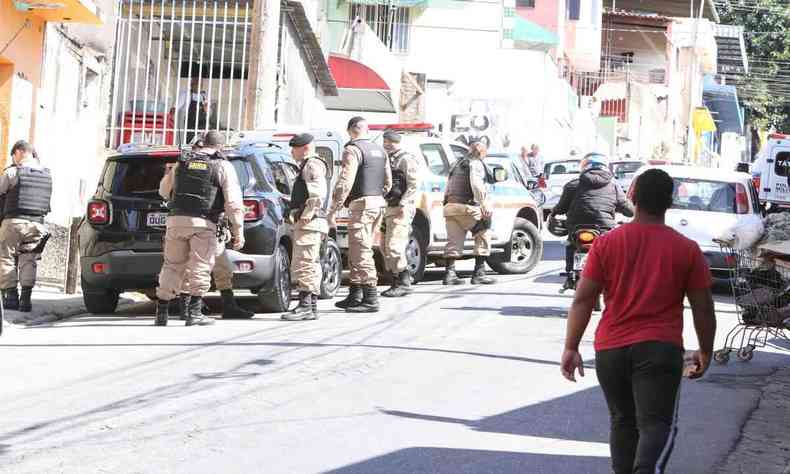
<point>518,172</point>
<point>121,235</point>
<point>770,172</point>
<point>706,203</point>
<point>624,171</point>
<point>556,175</point>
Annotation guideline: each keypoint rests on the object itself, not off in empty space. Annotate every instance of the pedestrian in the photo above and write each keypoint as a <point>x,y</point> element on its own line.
<point>310,226</point>
<point>365,177</point>
<point>645,269</point>
<point>467,208</point>
<point>25,193</point>
<point>535,161</point>
<point>199,188</point>
<point>401,207</point>
<point>192,106</point>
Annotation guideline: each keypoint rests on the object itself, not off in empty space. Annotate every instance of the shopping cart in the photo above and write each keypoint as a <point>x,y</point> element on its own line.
<point>761,288</point>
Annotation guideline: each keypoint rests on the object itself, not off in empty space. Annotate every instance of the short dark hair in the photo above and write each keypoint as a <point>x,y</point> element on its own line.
<point>22,145</point>
<point>653,192</point>
<point>354,122</point>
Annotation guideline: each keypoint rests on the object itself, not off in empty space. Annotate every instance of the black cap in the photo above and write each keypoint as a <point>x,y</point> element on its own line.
<point>22,145</point>
<point>354,122</point>
<point>394,137</point>
<point>212,139</point>
<point>301,140</point>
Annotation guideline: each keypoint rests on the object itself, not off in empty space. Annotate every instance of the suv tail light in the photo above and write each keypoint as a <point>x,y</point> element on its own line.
<point>542,182</point>
<point>253,210</point>
<point>741,199</point>
<point>98,212</point>
<point>757,180</point>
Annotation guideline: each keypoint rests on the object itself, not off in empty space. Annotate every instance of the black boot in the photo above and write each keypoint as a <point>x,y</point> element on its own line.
<point>394,291</point>
<point>183,305</point>
<point>303,311</point>
<point>370,301</point>
<point>354,298</point>
<point>450,277</point>
<point>232,310</point>
<point>195,316</point>
<point>11,299</point>
<point>25,305</point>
<point>162,313</point>
<point>314,305</point>
<point>479,277</point>
<point>405,281</point>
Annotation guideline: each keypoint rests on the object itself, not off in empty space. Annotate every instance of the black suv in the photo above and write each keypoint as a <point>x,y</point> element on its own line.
<point>121,235</point>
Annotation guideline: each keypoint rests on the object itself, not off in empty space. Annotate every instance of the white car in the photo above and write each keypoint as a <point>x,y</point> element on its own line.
<point>771,171</point>
<point>707,204</point>
<point>556,175</point>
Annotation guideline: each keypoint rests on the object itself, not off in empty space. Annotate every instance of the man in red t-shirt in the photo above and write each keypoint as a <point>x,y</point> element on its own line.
<point>644,269</point>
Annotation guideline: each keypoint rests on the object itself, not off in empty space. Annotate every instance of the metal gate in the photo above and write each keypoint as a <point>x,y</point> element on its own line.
<point>180,69</point>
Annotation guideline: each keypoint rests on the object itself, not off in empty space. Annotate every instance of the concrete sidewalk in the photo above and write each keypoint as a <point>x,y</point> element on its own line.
<point>50,304</point>
<point>764,445</point>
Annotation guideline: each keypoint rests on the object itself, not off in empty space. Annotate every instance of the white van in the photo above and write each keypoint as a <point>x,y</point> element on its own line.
<point>771,171</point>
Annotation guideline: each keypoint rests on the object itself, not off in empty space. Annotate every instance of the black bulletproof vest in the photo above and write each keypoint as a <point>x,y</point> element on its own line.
<point>398,182</point>
<point>459,184</point>
<point>31,195</point>
<point>371,173</point>
<point>196,188</point>
<point>299,194</point>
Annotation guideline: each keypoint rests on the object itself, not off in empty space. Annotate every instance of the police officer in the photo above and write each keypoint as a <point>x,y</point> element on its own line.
<point>399,214</point>
<point>199,188</point>
<point>310,226</point>
<point>467,208</point>
<point>25,189</point>
<point>365,177</point>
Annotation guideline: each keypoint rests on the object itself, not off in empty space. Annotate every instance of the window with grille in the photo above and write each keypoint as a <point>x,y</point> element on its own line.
<point>391,24</point>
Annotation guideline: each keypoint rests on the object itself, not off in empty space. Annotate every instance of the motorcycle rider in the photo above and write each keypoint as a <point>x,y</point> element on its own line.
<point>592,199</point>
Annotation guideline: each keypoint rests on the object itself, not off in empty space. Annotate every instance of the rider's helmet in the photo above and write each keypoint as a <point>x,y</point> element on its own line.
<point>557,227</point>
<point>594,160</point>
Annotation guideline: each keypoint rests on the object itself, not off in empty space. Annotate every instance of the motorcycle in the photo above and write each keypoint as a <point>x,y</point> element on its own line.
<point>582,239</point>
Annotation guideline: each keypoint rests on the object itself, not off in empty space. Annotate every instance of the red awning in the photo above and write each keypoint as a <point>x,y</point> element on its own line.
<point>350,74</point>
<point>359,87</point>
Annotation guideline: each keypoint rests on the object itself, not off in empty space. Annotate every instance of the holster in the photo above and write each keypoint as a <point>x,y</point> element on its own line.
<point>481,225</point>
<point>37,248</point>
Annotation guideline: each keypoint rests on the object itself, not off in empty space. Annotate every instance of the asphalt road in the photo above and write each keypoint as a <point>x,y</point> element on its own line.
<point>449,380</point>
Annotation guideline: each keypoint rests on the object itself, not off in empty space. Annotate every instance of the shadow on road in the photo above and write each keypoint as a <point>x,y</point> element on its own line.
<point>419,460</point>
<point>527,311</point>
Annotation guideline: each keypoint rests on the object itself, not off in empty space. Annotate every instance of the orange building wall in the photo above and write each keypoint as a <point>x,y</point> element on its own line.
<point>24,55</point>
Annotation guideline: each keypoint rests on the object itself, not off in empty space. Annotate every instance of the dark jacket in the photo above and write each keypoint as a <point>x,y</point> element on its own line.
<point>593,199</point>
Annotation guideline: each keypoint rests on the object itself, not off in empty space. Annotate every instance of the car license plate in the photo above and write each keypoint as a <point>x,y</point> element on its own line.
<point>156,219</point>
<point>342,239</point>
<point>579,260</point>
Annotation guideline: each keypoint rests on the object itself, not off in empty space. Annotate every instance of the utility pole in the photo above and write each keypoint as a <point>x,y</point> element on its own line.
<point>263,68</point>
<point>690,138</point>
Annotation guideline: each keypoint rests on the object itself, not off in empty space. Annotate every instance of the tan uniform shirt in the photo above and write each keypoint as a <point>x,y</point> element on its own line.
<point>477,174</point>
<point>231,190</point>
<point>8,179</point>
<point>352,157</point>
<point>314,175</point>
<point>407,163</point>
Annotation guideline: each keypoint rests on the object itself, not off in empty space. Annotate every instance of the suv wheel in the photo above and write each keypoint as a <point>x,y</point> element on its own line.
<point>522,254</point>
<point>279,297</point>
<point>416,254</point>
<point>331,270</point>
<point>99,300</point>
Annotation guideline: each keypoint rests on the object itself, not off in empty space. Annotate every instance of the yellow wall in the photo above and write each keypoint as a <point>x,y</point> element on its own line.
<point>23,56</point>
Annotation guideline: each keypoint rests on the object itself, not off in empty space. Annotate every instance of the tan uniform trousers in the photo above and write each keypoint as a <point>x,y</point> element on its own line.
<point>189,247</point>
<point>18,236</point>
<point>459,219</point>
<point>396,238</point>
<point>306,266</point>
<point>222,272</point>
<point>361,227</point>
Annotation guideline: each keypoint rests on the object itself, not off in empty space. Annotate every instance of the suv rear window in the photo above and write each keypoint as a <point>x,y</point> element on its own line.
<point>563,167</point>
<point>782,164</point>
<point>139,177</point>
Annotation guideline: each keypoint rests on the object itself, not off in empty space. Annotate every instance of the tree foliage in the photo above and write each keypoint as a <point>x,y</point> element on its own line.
<point>765,91</point>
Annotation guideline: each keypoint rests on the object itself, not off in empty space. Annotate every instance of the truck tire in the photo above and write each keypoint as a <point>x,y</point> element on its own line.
<point>417,254</point>
<point>99,300</point>
<point>278,298</point>
<point>522,254</point>
<point>332,270</point>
